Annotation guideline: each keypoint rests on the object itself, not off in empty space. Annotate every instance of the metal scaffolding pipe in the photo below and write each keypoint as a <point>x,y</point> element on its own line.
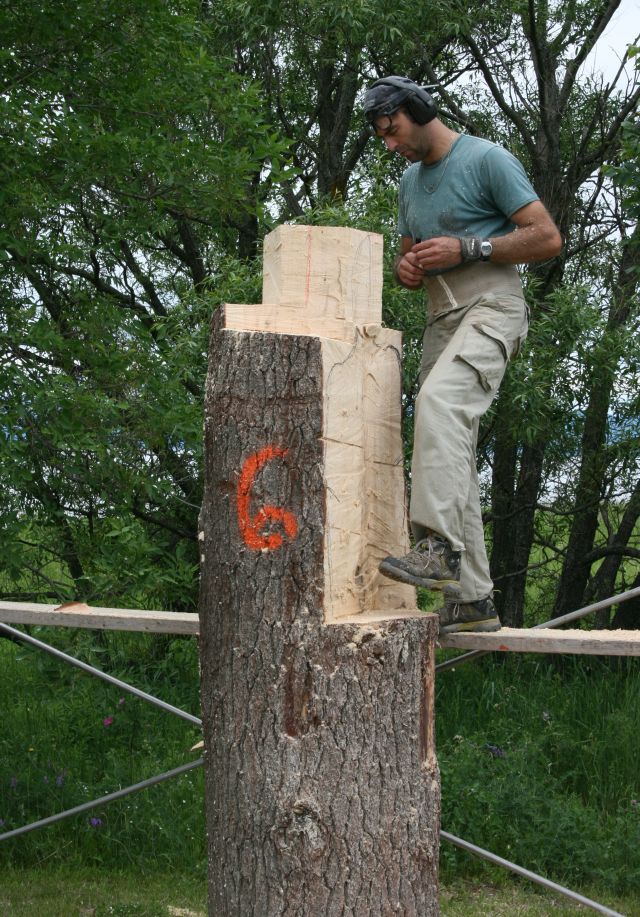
<point>110,797</point>
<point>27,638</point>
<point>527,874</point>
<point>554,622</point>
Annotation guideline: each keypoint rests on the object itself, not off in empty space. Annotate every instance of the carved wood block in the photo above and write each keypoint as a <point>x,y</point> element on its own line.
<point>325,271</point>
<point>317,673</point>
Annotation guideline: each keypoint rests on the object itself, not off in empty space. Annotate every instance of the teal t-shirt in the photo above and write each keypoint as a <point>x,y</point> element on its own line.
<point>473,191</point>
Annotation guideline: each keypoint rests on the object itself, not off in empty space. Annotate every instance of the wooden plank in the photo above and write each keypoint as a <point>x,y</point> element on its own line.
<point>546,640</point>
<point>77,614</point>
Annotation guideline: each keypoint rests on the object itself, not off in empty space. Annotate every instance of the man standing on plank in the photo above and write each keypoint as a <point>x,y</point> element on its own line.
<point>468,215</point>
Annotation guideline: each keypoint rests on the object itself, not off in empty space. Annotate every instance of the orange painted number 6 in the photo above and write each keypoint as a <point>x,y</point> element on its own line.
<point>251,527</point>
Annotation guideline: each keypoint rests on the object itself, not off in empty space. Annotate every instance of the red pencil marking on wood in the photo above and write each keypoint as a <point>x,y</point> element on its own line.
<point>251,526</point>
<point>503,647</point>
<point>307,283</point>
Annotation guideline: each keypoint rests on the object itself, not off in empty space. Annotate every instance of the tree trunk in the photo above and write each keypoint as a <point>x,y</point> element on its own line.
<point>502,495</point>
<point>627,616</point>
<point>322,786</point>
<point>594,462</point>
<point>603,584</point>
<point>514,527</point>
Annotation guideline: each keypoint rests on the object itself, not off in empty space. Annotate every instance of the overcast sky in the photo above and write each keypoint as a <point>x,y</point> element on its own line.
<point>622,30</point>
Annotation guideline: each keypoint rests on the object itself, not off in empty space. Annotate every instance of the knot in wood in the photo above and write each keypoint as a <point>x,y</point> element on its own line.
<point>301,834</point>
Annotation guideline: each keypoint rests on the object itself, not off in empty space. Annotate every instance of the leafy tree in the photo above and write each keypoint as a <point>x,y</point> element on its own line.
<point>146,151</point>
<point>126,144</point>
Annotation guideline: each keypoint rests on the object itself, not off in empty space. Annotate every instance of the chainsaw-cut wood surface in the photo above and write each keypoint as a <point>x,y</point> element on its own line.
<point>327,272</point>
<point>276,318</point>
<point>321,782</point>
<point>366,513</point>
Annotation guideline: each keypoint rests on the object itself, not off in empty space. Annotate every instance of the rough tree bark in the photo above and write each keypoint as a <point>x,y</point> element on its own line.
<point>322,786</point>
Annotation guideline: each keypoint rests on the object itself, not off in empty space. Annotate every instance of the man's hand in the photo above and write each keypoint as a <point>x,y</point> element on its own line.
<point>535,238</point>
<point>438,254</point>
<point>430,255</point>
<point>407,270</point>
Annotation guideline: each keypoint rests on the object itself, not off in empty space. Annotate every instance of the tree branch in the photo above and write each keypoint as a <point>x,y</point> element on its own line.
<point>143,279</point>
<point>192,255</point>
<point>160,522</point>
<point>610,550</point>
<point>509,111</point>
<point>599,24</point>
<point>605,149</point>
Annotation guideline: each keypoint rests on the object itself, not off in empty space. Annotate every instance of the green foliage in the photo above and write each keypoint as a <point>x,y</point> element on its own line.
<point>106,109</point>
<point>626,171</point>
<point>122,180</point>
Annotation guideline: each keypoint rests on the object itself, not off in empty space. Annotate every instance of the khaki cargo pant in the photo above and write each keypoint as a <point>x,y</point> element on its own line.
<point>469,339</point>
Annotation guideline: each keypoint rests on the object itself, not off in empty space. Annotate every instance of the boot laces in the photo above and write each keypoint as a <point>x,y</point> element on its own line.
<point>427,545</point>
<point>455,610</point>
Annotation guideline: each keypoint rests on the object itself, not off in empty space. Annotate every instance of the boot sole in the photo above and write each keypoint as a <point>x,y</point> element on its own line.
<point>448,586</point>
<point>474,627</point>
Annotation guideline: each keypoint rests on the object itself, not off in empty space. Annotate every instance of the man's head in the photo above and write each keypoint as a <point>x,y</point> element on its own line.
<point>392,93</point>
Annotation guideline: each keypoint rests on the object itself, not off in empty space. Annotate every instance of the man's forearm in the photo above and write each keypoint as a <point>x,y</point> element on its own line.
<point>535,237</point>
<point>526,244</point>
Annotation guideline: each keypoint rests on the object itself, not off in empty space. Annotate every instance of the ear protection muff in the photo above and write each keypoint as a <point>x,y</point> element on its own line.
<point>416,99</point>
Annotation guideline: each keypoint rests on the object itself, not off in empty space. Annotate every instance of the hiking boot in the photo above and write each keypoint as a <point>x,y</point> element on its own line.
<point>432,564</point>
<point>463,617</point>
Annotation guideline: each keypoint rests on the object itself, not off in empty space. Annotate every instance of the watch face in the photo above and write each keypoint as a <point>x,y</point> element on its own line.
<point>485,250</point>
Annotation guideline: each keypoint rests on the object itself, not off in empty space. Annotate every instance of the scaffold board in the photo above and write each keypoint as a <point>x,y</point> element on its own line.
<point>508,639</point>
<point>77,614</point>
<point>548,640</point>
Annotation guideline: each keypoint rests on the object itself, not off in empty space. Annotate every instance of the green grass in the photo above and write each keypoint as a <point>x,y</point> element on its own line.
<point>539,765</point>
<point>69,738</point>
<point>509,898</point>
<point>89,892</point>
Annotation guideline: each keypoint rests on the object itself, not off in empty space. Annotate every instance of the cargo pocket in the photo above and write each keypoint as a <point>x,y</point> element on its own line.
<point>486,351</point>
<point>522,337</point>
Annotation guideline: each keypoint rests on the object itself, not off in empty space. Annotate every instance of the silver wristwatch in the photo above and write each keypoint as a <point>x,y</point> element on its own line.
<point>485,250</point>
